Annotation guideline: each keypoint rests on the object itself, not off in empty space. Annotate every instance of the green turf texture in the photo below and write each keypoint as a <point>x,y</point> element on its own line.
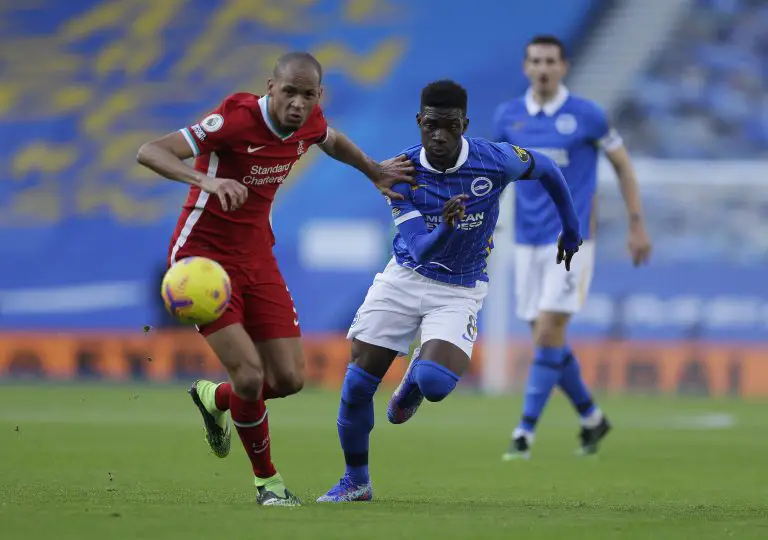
<point>81,462</point>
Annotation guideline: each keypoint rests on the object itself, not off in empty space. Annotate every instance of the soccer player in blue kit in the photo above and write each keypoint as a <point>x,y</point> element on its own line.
<point>437,278</point>
<point>571,130</point>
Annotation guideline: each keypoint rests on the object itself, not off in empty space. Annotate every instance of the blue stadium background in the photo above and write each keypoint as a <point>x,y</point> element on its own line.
<point>85,230</point>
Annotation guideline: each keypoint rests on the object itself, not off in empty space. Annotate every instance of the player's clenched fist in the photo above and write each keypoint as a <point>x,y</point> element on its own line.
<point>453,210</point>
<point>231,193</point>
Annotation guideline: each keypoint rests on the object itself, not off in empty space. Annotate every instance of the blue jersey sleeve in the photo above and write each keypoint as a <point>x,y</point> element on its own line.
<point>546,171</point>
<point>403,210</point>
<point>422,244</point>
<point>517,162</point>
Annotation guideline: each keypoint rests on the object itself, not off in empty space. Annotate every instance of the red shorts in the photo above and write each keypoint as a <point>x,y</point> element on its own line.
<point>260,301</point>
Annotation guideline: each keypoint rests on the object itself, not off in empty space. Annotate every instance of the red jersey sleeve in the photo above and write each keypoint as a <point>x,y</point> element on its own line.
<point>221,128</point>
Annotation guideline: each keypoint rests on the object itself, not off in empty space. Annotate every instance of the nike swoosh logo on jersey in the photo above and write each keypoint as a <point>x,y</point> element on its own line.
<point>251,149</point>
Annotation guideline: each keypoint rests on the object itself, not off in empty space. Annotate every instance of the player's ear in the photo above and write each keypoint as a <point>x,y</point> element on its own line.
<point>270,87</point>
<point>320,92</point>
<point>466,125</point>
<point>418,119</point>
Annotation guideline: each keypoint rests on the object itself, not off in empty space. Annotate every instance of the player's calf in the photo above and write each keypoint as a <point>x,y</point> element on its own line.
<point>356,418</point>
<point>238,354</point>
<point>594,424</point>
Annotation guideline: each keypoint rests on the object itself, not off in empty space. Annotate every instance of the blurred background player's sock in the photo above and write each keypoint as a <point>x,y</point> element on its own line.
<point>250,419</point>
<point>355,421</point>
<point>574,387</point>
<point>542,378</point>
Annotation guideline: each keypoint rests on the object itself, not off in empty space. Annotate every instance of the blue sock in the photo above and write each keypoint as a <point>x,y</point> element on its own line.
<point>544,375</point>
<point>355,420</point>
<point>434,380</point>
<point>573,385</point>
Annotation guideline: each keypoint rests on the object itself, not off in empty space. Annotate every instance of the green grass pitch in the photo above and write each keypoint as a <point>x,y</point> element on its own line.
<point>124,462</point>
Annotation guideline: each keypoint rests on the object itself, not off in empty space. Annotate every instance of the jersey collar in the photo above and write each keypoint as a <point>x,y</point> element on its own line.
<point>549,108</point>
<point>264,106</point>
<point>463,155</point>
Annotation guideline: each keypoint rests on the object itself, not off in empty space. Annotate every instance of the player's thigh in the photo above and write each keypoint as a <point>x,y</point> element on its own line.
<point>390,315</point>
<point>232,344</point>
<point>372,358</point>
<point>528,282</point>
<point>272,323</point>
<point>449,326</point>
<point>237,353</point>
<point>565,292</point>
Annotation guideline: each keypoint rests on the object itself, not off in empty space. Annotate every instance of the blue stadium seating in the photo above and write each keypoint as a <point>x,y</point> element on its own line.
<point>705,95</point>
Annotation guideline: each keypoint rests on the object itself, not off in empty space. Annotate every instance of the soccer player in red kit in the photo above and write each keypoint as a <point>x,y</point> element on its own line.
<point>243,151</point>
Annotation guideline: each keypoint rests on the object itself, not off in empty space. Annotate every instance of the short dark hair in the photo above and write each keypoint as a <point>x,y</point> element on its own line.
<point>444,94</point>
<point>300,57</point>
<point>547,39</point>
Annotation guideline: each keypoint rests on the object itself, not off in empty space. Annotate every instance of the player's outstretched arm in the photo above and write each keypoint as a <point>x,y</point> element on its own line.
<point>638,243</point>
<point>384,175</point>
<point>166,156</point>
<point>546,171</point>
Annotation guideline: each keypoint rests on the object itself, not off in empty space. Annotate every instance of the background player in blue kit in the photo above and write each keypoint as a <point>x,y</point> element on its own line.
<point>571,130</point>
<point>437,278</point>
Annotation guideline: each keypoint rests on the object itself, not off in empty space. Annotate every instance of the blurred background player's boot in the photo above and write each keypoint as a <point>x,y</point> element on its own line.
<point>218,434</point>
<point>591,436</point>
<point>519,446</point>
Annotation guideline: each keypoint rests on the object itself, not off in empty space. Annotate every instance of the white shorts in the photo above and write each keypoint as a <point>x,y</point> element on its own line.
<point>400,301</point>
<point>543,285</point>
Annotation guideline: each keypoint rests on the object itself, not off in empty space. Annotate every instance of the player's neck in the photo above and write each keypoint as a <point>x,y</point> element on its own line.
<point>542,97</point>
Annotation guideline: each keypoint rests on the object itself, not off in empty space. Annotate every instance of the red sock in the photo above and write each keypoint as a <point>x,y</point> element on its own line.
<point>224,391</point>
<point>222,396</point>
<point>250,419</point>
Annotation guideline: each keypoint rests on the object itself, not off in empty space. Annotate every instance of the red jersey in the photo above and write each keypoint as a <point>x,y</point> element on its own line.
<point>238,141</point>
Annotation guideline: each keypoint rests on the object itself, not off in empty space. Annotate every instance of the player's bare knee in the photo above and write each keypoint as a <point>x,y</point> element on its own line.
<point>284,365</point>
<point>289,383</point>
<point>248,382</point>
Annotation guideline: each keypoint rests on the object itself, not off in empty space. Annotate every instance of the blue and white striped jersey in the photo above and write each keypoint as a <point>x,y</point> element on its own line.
<point>482,172</point>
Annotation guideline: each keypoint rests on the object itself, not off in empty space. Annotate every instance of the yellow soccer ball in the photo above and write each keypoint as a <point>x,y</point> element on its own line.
<point>196,290</point>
